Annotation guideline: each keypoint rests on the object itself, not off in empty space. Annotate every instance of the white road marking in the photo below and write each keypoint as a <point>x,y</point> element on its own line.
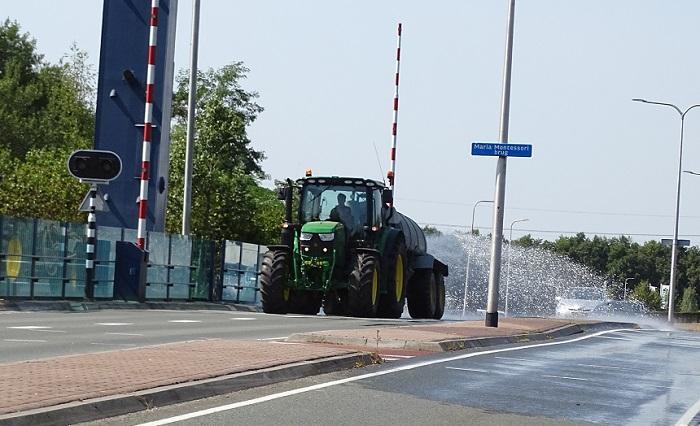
<point>400,356</point>
<point>125,334</point>
<point>475,370</point>
<point>615,338</point>
<point>689,415</point>
<point>29,327</point>
<point>47,331</point>
<point>113,344</point>
<point>566,377</point>
<point>243,319</point>
<point>185,321</point>
<point>513,359</point>
<point>24,340</point>
<point>398,369</point>
<point>272,338</point>
<point>285,343</point>
<point>299,316</point>
<point>114,323</point>
<point>603,366</point>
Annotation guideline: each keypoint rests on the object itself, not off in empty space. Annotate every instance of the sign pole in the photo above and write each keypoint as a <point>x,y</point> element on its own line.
<point>90,249</point>
<point>500,194</point>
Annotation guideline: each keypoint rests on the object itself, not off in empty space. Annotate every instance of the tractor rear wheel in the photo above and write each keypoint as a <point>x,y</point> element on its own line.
<point>422,294</point>
<point>304,302</point>
<point>440,293</point>
<point>392,302</point>
<point>363,291</point>
<point>273,282</point>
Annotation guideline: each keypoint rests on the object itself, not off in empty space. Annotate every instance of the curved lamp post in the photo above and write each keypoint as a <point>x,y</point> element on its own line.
<point>469,258</point>
<point>510,243</point>
<point>674,247</point>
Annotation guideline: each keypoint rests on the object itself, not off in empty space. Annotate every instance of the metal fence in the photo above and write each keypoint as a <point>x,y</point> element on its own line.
<point>44,259</point>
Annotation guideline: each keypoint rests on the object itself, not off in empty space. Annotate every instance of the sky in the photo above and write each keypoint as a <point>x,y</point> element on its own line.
<point>601,163</point>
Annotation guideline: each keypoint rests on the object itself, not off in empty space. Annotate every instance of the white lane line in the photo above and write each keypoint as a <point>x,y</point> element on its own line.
<point>614,338</point>
<point>401,356</point>
<point>603,366</point>
<point>184,321</point>
<point>400,368</point>
<point>24,340</point>
<point>689,415</point>
<point>475,370</point>
<point>272,338</point>
<point>566,377</point>
<point>29,327</point>
<point>113,344</point>
<point>512,359</point>
<point>47,331</point>
<point>125,334</point>
<point>300,316</point>
<point>243,319</point>
<point>114,323</point>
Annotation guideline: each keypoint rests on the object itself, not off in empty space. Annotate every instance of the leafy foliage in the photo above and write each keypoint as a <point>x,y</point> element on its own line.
<point>689,302</point>
<point>431,231</point>
<point>644,294</point>
<point>227,200</point>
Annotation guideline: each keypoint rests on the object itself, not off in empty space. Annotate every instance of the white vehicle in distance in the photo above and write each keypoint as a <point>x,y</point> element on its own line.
<point>579,301</point>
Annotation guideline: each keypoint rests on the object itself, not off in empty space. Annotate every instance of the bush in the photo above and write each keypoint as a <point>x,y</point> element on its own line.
<point>642,293</point>
<point>689,303</point>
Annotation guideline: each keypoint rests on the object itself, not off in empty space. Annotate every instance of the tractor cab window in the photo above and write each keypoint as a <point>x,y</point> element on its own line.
<point>340,203</point>
<point>376,208</point>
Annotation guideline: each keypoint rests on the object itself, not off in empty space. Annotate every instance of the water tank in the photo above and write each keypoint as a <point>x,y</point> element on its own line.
<point>415,238</point>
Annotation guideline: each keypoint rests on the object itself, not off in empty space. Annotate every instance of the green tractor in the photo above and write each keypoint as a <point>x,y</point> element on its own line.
<point>351,252</point>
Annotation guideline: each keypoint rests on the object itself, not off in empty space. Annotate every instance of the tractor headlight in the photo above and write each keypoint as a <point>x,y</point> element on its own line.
<point>305,236</point>
<point>326,237</point>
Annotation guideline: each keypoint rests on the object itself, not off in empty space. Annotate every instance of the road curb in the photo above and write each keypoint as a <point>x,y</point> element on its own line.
<point>457,344</point>
<point>100,408</point>
<point>79,306</point>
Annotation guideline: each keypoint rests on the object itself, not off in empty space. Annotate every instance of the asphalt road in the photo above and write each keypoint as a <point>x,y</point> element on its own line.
<point>35,335</point>
<point>623,378</point>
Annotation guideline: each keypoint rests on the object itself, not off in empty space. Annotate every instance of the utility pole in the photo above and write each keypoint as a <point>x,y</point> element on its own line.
<point>191,107</point>
<point>500,194</point>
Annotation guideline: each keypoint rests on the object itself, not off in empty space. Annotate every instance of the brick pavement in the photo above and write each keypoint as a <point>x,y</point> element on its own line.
<point>44,383</point>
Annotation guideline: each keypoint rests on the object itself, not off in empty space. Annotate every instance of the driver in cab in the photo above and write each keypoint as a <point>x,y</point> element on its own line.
<point>342,213</point>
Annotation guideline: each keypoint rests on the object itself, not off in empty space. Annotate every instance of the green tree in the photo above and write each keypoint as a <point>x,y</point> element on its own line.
<point>689,302</point>
<point>644,294</point>
<point>227,198</point>
<point>431,231</point>
<point>40,104</point>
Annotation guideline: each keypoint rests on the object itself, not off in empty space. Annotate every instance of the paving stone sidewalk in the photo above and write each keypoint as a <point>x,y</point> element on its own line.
<point>44,383</point>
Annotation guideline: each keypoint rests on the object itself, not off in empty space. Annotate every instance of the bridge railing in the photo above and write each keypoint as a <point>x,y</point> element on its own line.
<point>43,259</point>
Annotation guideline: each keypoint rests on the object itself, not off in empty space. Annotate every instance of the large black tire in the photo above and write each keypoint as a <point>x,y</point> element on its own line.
<point>392,302</point>
<point>422,294</point>
<point>363,291</point>
<point>273,282</point>
<point>335,302</point>
<point>304,302</point>
<point>440,294</point>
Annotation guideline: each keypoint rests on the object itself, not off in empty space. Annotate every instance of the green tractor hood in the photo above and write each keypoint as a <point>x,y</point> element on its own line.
<point>321,227</point>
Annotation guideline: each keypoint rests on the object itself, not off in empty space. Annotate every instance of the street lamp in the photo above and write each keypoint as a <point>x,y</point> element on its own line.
<point>469,257</point>
<point>624,295</point>
<point>674,247</point>
<point>510,243</point>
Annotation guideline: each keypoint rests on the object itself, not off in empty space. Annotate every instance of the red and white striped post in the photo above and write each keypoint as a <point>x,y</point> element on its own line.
<point>147,127</point>
<point>392,173</point>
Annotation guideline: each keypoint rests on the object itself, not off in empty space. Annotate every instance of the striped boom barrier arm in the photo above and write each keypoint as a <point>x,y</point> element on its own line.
<point>147,127</point>
<point>392,173</point>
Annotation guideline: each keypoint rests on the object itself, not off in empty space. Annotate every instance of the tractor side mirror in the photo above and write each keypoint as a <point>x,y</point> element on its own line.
<point>388,197</point>
<point>283,192</point>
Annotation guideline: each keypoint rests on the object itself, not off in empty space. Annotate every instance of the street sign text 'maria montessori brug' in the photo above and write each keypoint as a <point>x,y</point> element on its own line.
<point>501,149</point>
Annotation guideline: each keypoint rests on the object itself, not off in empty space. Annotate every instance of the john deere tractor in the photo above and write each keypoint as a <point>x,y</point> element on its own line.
<point>351,252</point>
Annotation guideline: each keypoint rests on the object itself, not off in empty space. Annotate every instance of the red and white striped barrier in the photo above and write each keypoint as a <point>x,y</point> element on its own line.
<point>147,126</point>
<point>392,173</point>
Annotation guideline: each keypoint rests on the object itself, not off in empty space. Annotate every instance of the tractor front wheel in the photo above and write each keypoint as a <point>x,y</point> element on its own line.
<point>363,291</point>
<point>273,282</point>
<point>392,302</point>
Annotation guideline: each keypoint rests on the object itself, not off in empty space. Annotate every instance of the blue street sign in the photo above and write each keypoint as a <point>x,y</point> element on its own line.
<point>501,149</point>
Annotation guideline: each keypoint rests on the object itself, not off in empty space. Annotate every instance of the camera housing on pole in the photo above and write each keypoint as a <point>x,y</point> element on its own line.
<point>94,166</point>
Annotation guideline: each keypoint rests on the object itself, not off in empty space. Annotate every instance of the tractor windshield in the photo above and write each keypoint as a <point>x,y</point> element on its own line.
<point>338,203</point>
